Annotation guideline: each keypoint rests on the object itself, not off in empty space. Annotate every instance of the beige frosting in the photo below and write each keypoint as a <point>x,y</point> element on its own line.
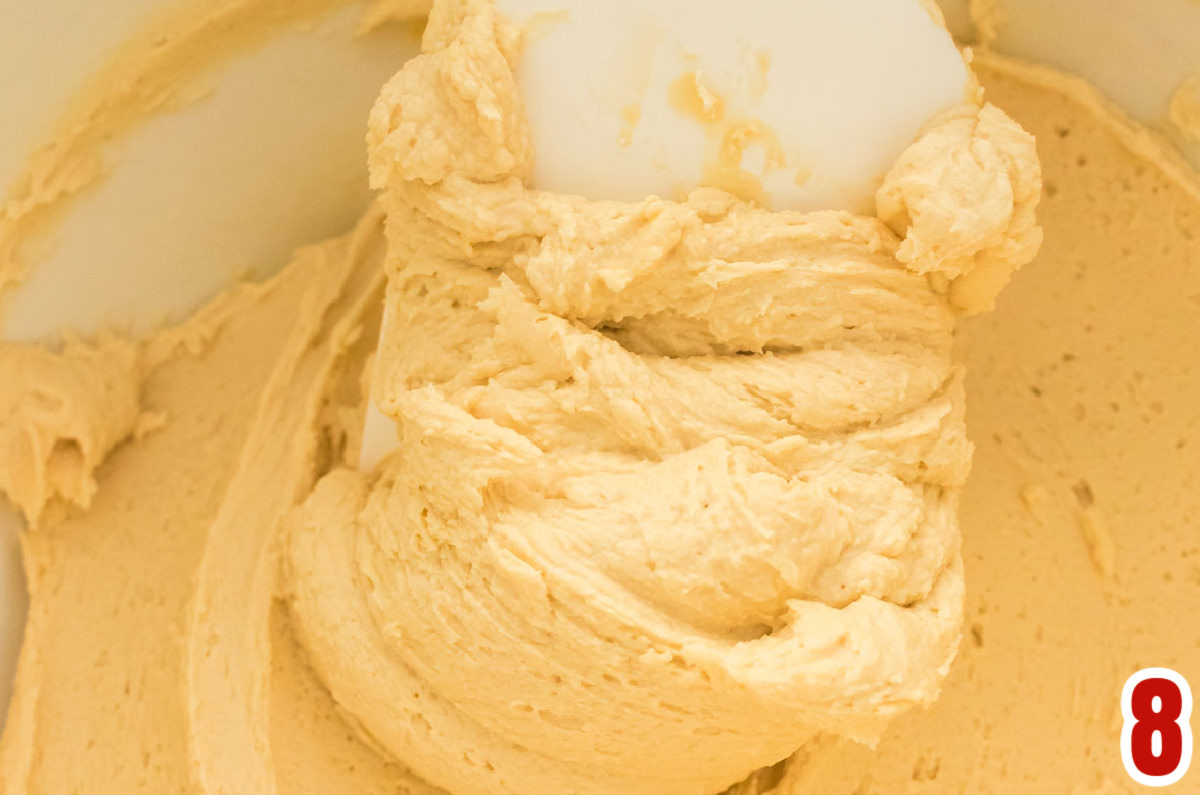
<point>1079,518</point>
<point>988,18</point>
<point>60,415</point>
<point>150,611</point>
<point>531,594</point>
<point>383,12</point>
<point>676,482</point>
<point>1184,110</point>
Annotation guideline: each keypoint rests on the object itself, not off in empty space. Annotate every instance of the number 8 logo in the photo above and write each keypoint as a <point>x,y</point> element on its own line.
<point>1156,739</point>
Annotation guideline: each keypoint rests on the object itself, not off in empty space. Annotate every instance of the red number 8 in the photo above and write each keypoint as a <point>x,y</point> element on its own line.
<point>1156,704</point>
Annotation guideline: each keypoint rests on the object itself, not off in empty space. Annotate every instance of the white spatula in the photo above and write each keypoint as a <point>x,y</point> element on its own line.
<point>632,98</point>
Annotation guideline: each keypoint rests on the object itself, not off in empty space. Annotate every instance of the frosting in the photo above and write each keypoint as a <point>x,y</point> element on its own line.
<point>60,415</point>
<point>676,482</point>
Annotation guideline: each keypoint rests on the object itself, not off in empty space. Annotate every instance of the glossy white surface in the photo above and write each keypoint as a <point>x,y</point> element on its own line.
<point>844,84</point>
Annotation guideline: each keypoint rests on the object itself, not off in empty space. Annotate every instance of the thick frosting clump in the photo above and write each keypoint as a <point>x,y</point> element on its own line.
<point>964,199</point>
<point>60,415</point>
<point>676,482</point>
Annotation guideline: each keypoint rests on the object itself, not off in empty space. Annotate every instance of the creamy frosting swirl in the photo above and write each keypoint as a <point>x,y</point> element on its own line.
<point>676,482</point>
